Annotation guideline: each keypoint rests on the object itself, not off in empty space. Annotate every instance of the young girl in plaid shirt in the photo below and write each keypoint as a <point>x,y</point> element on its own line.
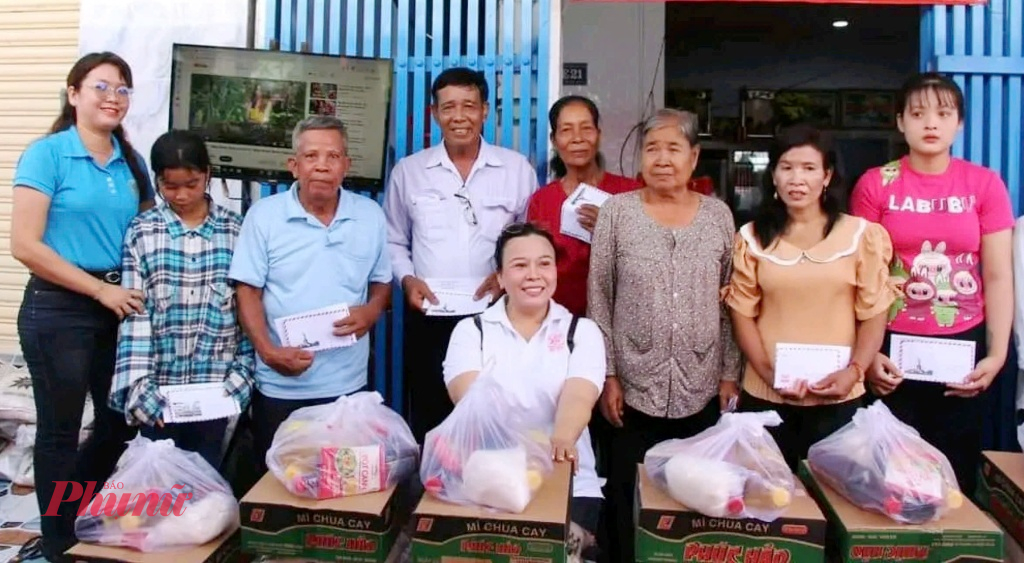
<point>178,254</point>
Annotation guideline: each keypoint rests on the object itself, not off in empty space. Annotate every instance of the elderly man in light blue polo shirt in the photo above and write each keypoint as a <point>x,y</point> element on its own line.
<point>311,247</point>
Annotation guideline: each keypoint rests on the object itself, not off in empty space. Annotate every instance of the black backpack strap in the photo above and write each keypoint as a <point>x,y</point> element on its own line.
<point>572,332</point>
<point>568,338</point>
<point>480,327</point>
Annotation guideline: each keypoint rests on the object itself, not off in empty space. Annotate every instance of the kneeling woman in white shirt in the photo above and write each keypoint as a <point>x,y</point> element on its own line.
<point>541,356</point>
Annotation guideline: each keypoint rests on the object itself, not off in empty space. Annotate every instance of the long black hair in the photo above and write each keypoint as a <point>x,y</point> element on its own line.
<point>252,99</point>
<point>556,163</point>
<point>69,116</point>
<point>772,217</point>
<point>179,149</point>
<point>947,91</point>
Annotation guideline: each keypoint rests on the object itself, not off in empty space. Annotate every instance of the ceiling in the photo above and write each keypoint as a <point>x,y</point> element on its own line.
<point>695,24</point>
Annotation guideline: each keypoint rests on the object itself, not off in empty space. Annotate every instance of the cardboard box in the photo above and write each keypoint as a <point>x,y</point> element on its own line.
<point>224,549</point>
<point>357,529</point>
<point>1001,490</point>
<point>668,531</point>
<point>964,534</point>
<point>1012,552</point>
<point>449,533</point>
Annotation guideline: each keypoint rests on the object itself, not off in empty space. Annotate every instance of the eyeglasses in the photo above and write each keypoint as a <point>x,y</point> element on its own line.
<point>467,206</point>
<point>104,89</point>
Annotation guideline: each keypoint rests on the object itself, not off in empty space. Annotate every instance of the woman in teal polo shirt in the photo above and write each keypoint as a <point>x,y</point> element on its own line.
<point>75,192</point>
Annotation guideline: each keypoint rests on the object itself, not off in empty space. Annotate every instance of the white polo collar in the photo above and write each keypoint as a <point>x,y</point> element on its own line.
<point>496,313</point>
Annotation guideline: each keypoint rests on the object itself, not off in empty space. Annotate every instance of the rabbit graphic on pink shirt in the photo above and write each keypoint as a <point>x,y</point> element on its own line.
<point>932,263</point>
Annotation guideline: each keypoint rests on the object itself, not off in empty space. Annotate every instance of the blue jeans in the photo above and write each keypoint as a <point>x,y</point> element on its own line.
<point>205,438</point>
<point>69,342</point>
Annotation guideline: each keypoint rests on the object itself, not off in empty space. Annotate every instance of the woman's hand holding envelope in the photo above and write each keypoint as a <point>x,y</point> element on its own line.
<point>883,376</point>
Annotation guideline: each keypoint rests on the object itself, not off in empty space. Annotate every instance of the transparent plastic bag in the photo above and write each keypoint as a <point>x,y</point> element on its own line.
<point>486,453</point>
<point>353,446</point>
<point>880,464</point>
<point>732,470</point>
<point>159,498</point>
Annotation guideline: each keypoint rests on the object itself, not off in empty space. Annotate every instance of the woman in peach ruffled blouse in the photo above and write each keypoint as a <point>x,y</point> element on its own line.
<point>806,274</point>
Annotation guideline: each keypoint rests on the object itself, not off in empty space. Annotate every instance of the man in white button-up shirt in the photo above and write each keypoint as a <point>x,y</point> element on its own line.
<point>445,207</point>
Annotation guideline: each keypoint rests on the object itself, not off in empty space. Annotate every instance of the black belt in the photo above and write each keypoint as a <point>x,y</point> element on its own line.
<point>108,276</point>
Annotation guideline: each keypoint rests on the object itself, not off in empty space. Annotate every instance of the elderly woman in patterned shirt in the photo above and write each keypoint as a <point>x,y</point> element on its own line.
<point>659,260</point>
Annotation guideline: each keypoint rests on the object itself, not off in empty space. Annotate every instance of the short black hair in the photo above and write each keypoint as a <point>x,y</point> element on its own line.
<point>517,230</point>
<point>460,76</point>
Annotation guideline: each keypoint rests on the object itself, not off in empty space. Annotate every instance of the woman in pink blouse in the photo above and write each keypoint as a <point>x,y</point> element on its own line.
<point>950,222</point>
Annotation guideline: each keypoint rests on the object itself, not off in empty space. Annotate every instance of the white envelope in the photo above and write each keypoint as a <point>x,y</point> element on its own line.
<point>938,360</point>
<point>314,330</point>
<point>809,362</point>
<point>584,194</point>
<point>197,402</point>
<point>455,297</point>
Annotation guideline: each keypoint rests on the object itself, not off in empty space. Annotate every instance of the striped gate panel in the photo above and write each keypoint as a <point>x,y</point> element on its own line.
<point>982,48</point>
<point>506,39</point>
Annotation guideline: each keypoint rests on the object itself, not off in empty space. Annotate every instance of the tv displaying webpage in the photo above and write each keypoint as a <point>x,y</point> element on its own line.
<point>246,103</point>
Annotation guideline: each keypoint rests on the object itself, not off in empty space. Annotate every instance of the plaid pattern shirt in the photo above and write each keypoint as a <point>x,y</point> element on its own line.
<point>189,332</point>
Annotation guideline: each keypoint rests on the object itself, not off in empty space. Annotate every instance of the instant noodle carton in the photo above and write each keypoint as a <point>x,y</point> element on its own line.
<point>447,533</point>
<point>668,531</point>
<point>1001,492</point>
<point>962,534</point>
<point>356,529</point>
<point>224,549</point>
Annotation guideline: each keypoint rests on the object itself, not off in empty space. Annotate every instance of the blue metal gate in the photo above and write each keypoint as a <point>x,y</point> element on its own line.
<point>506,39</point>
<point>982,47</point>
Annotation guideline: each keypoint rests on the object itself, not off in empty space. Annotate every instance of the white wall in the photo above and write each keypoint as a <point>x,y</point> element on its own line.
<point>143,32</point>
<point>620,43</point>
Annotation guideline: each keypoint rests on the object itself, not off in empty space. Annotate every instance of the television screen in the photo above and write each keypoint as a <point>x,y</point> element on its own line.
<point>246,103</point>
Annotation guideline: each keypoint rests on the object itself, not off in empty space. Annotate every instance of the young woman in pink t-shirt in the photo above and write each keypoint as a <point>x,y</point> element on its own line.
<point>950,222</point>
